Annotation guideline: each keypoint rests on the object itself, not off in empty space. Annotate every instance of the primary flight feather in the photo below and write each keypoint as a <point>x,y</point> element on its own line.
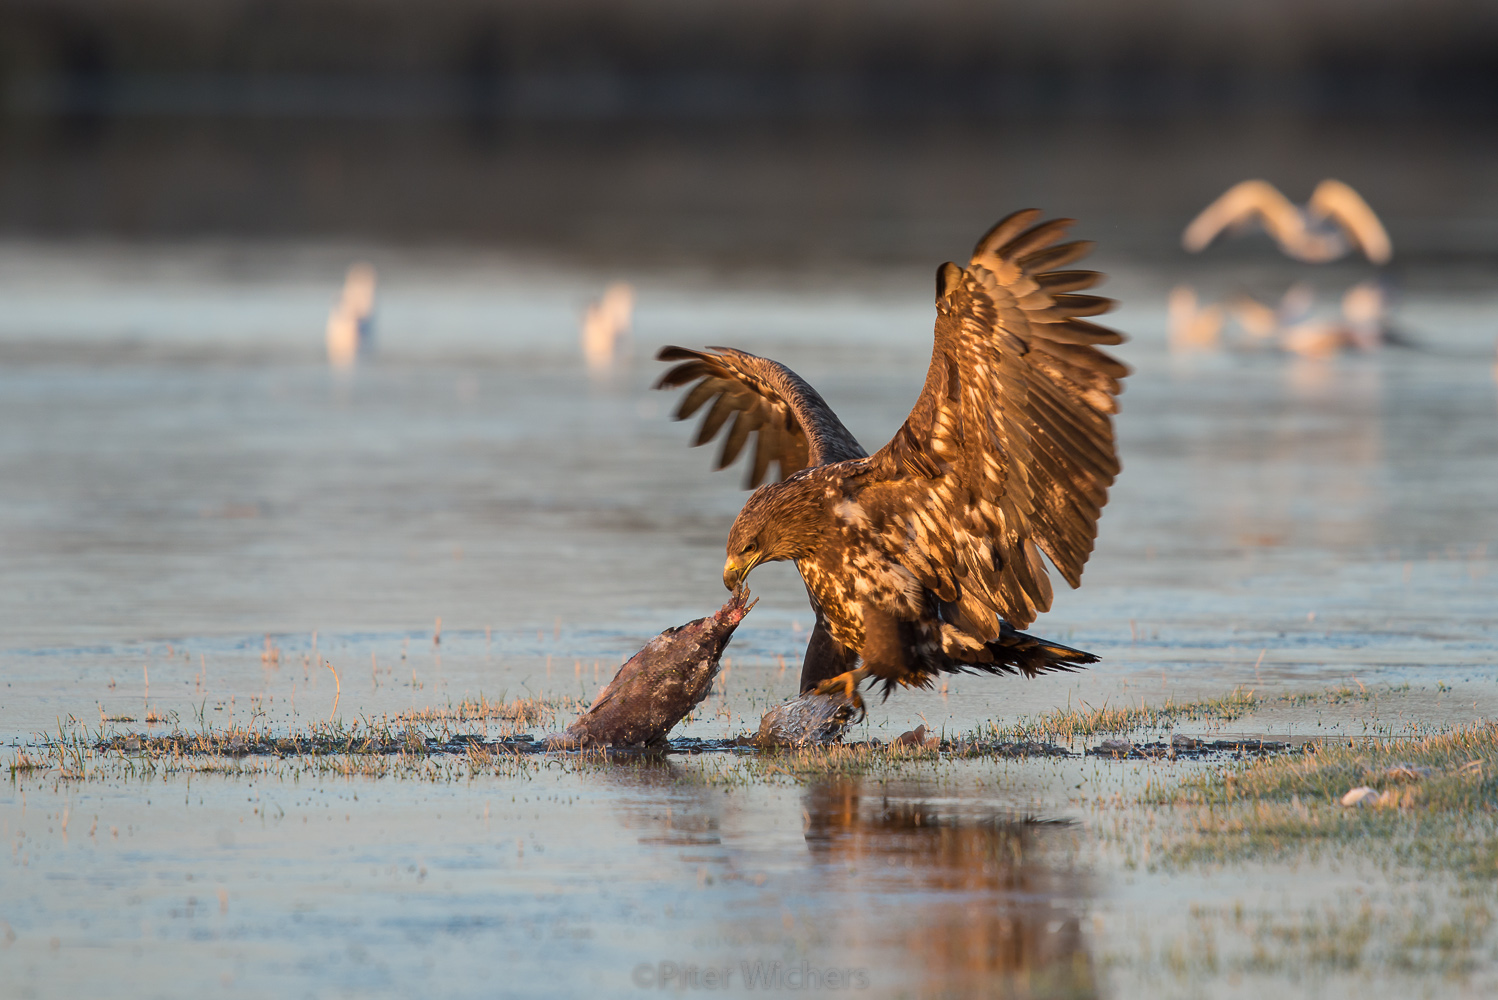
<point>926,557</point>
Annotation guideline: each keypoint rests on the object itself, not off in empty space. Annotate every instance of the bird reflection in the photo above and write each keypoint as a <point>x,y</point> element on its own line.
<point>1294,325</point>
<point>1333,223</point>
<point>350,334</point>
<point>606,327</point>
<point>1297,326</point>
<point>990,904</point>
<point>1193,327</point>
<point>923,896</point>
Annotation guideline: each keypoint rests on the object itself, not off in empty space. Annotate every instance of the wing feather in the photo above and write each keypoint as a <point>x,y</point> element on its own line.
<point>1005,230</point>
<point>733,442</point>
<point>723,407</point>
<point>1067,281</point>
<point>700,394</point>
<point>1008,454</point>
<point>793,426</point>
<point>1056,256</point>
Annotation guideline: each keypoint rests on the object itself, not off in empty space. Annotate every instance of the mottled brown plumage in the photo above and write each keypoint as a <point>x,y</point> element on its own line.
<point>926,557</point>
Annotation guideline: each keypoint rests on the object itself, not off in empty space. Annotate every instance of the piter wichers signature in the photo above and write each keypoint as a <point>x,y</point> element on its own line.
<point>759,975</point>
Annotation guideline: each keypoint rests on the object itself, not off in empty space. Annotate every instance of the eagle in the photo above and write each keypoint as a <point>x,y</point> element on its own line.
<point>929,556</point>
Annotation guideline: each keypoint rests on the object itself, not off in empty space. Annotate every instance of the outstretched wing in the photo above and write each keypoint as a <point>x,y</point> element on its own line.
<point>793,426</point>
<point>1241,205</point>
<point>1337,201</point>
<point>1009,451</point>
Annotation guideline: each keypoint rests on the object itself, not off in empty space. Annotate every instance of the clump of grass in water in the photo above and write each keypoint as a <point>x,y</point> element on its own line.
<point>1438,807</point>
<point>1456,770</point>
<point>364,748</point>
<point>520,712</point>
<point>859,759</point>
<point>239,740</point>
<point>24,763</point>
<point>1071,723</point>
<point>1433,829</point>
<point>834,760</point>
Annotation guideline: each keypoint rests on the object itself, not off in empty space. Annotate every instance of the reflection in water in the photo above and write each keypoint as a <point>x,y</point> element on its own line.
<point>923,891</point>
<point>665,807</point>
<point>606,326</point>
<point>350,333</point>
<point>1193,327</point>
<point>988,907</point>
<point>1295,324</point>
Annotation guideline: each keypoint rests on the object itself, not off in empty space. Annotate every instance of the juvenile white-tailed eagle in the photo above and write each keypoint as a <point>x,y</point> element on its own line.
<point>925,558</point>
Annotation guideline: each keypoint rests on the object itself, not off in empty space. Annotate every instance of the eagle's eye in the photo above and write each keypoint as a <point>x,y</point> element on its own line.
<point>748,549</point>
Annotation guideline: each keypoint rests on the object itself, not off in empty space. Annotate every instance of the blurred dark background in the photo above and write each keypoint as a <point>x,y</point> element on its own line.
<point>782,130</point>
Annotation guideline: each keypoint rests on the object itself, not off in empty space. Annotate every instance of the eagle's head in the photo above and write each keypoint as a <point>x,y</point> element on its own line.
<point>780,521</point>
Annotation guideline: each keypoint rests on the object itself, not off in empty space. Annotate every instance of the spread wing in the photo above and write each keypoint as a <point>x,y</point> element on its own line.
<point>1339,202</point>
<point>1009,451</point>
<point>793,426</point>
<point>1242,205</point>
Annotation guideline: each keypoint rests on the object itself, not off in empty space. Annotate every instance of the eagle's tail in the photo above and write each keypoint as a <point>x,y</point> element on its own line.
<point>1028,654</point>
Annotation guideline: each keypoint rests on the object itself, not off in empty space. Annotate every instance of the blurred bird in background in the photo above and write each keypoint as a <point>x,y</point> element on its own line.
<point>351,323</point>
<point>606,327</point>
<point>1193,327</point>
<point>1334,222</point>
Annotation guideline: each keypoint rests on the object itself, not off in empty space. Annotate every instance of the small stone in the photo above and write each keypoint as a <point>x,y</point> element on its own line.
<point>915,738</point>
<point>807,719</point>
<point>1180,742</point>
<point>1115,746</point>
<point>1360,796</point>
<point>1407,772</point>
<point>132,742</point>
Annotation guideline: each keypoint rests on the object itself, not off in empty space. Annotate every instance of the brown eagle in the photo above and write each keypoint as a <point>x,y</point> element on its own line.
<point>925,558</point>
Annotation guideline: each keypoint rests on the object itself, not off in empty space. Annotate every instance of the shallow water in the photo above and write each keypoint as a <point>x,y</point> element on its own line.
<point>599,881</point>
<point>184,488</point>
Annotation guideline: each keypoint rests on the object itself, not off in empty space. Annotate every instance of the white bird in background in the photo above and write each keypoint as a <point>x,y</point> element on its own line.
<point>606,325</point>
<point>1297,328</point>
<point>351,323</point>
<point>1334,222</point>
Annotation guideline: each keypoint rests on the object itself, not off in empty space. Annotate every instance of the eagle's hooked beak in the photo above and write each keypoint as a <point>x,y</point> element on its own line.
<point>735,572</point>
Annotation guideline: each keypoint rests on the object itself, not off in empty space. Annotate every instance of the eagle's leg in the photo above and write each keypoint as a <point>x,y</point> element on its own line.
<point>846,685</point>
<point>825,657</point>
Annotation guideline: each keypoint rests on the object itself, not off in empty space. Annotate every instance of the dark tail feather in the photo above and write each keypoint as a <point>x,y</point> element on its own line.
<point>1019,652</point>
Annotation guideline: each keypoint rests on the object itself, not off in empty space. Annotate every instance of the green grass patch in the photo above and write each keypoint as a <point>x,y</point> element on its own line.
<point>1435,807</point>
<point>1073,723</point>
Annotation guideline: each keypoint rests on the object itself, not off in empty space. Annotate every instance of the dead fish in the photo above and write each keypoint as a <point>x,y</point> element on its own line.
<point>659,685</point>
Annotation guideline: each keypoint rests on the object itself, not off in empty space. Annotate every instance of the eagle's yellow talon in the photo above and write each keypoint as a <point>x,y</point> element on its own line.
<point>845,685</point>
